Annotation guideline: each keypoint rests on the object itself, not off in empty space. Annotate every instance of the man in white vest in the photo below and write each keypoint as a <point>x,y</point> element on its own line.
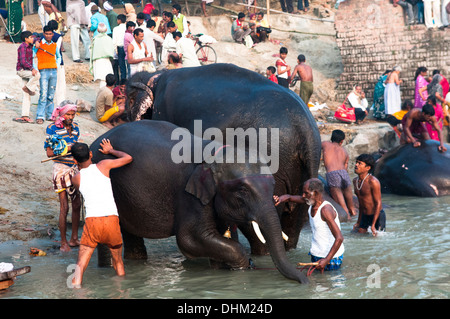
<point>327,248</point>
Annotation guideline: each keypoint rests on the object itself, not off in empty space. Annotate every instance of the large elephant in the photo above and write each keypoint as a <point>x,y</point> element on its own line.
<point>225,96</point>
<point>415,171</point>
<point>195,198</point>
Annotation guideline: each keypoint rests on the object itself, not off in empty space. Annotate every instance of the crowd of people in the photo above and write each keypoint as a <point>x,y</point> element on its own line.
<point>421,119</point>
<point>120,44</point>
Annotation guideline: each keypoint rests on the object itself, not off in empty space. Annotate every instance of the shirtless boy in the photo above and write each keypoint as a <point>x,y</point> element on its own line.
<point>414,129</point>
<point>306,77</point>
<point>368,191</point>
<point>335,160</point>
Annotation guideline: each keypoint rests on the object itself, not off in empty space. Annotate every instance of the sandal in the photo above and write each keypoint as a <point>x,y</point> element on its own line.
<point>39,121</point>
<point>23,120</point>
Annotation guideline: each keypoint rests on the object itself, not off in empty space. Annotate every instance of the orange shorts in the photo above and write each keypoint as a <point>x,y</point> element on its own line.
<point>102,230</point>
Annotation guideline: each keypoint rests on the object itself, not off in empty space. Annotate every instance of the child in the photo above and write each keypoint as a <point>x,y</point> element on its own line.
<point>270,73</point>
<point>28,73</point>
<point>283,69</point>
<point>102,219</point>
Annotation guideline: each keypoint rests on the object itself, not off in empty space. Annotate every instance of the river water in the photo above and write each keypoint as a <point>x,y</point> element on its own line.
<point>409,261</point>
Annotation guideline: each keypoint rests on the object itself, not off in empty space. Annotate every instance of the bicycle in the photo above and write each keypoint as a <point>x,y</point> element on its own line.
<point>205,53</point>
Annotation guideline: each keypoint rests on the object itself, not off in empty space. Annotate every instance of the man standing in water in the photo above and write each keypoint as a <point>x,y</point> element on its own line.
<point>305,74</point>
<point>335,160</point>
<point>102,219</point>
<point>327,248</point>
<point>368,191</point>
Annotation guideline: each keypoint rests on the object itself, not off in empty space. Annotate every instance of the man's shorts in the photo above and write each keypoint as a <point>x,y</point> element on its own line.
<point>102,230</point>
<point>113,110</point>
<point>380,225</point>
<point>339,179</point>
<point>334,264</point>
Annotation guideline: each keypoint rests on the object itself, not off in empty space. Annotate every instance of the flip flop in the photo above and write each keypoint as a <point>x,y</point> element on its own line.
<point>23,120</point>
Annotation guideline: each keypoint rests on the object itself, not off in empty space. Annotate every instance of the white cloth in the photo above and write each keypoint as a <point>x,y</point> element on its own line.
<point>97,193</point>
<point>392,98</point>
<point>432,13</point>
<point>60,89</point>
<point>356,102</point>
<point>101,68</point>
<point>169,45</point>
<point>322,238</point>
<point>43,15</point>
<point>5,267</point>
<point>149,39</point>
<point>445,15</point>
<point>185,46</point>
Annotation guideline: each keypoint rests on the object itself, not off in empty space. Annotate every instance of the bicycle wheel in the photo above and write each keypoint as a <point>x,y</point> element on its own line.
<point>206,55</point>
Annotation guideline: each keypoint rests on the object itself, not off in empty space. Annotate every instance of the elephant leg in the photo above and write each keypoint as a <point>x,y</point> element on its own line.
<point>222,252</point>
<point>134,247</point>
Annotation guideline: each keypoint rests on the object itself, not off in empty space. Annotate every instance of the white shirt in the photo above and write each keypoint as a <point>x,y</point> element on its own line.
<point>149,39</point>
<point>97,193</point>
<point>169,43</point>
<point>118,35</point>
<point>185,46</point>
<point>322,237</point>
<point>356,102</point>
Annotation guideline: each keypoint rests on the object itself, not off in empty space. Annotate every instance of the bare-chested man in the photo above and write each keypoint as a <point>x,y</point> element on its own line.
<point>335,160</point>
<point>305,74</point>
<point>414,128</point>
<point>368,191</point>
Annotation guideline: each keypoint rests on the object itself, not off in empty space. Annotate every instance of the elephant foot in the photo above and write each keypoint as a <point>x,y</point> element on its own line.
<point>221,265</point>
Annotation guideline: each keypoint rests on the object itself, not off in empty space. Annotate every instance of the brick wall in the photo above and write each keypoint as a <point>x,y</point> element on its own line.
<point>372,37</point>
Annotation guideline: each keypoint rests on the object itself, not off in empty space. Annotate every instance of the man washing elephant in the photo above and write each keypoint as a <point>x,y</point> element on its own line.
<point>327,248</point>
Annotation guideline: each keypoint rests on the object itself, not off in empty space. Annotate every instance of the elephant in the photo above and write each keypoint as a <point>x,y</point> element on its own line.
<point>195,199</point>
<point>415,171</point>
<point>226,96</point>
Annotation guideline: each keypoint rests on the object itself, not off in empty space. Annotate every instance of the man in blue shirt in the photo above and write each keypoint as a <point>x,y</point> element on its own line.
<point>98,18</point>
<point>61,135</point>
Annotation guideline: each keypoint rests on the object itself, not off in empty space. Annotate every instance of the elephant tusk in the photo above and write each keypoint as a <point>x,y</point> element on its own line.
<point>258,232</point>
<point>285,237</point>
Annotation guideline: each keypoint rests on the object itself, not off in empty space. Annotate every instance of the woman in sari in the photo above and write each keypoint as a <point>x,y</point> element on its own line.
<point>378,97</point>
<point>420,96</point>
<point>439,114</point>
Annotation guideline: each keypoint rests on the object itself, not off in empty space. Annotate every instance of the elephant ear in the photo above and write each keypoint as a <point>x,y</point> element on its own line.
<point>201,184</point>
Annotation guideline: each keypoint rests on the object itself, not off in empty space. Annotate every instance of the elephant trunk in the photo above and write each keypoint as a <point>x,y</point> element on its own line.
<point>269,228</point>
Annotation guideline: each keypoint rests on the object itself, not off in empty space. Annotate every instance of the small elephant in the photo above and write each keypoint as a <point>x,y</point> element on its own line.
<point>159,196</point>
